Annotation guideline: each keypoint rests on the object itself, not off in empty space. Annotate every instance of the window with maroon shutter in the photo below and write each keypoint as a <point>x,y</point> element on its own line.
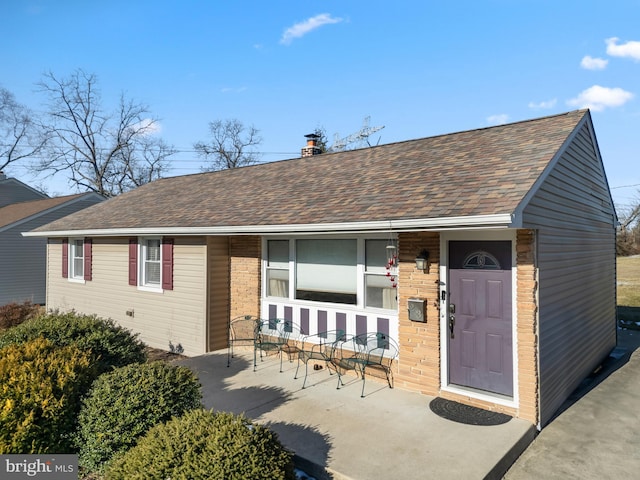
<point>151,263</point>
<point>167,263</point>
<point>65,258</point>
<point>133,261</point>
<point>88,243</point>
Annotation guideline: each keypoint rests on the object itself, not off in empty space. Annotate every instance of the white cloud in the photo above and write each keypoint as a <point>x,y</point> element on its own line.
<point>591,63</point>
<point>300,29</point>
<point>499,119</point>
<point>630,49</point>
<point>147,126</point>
<point>598,98</point>
<point>233,89</point>
<point>544,105</point>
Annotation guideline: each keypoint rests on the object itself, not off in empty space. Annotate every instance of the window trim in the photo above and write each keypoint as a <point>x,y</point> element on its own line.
<point>138,261</point>
<point>360,272</point>
<point>143,245</point>
<point>69,256</point>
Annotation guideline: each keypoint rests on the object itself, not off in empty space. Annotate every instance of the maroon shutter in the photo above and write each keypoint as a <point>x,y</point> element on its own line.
<point>167,263</point>
<point>133,261</point>
<point>65,258</point>
<point>88,243</point>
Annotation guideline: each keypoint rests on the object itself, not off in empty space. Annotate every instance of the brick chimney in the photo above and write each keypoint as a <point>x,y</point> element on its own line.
<point>312,146</point>
<point>2,175</point>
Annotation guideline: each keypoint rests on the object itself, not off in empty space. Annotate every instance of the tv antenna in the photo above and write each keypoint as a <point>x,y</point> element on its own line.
<point>358,138</point>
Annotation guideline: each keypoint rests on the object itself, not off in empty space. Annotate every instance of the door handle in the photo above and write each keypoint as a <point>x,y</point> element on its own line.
<point>452,322</point>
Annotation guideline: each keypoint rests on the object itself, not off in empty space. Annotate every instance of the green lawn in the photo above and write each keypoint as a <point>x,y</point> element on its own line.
<point>629,281</point>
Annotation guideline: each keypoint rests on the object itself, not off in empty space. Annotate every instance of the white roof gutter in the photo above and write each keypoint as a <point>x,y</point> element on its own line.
<point>505,220</point>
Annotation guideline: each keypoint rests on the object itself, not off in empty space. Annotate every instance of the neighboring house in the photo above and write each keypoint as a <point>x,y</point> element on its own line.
<point>23,259</point>
<point>514,307</point>
<point>13,191</point>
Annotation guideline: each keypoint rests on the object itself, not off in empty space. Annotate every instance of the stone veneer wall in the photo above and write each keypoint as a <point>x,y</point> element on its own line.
<point>419,358</point>
<point>419,365</point>
<point>245,257</point>
<point>528,377</point>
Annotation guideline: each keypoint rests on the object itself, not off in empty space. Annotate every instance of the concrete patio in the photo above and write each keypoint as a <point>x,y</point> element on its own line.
<point>336,434</point>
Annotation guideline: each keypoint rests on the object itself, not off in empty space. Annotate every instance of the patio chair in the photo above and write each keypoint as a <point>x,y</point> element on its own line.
<point>277,336</point>
<point>318,346</point>
<point>292,336</point>
<point>370,351</point>
<point>242,331</point>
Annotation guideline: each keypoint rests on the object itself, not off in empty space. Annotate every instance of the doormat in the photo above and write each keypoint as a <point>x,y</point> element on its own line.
<point>457,412</point>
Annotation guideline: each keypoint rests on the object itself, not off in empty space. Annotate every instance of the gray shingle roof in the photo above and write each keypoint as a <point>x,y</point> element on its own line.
<point>480,172</point>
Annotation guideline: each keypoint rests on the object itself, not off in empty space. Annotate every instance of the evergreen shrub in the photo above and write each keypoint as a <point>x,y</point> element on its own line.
<point>123,404</point>
<point>111,344</point>
<point>40,389</point>
<point>205,445</point>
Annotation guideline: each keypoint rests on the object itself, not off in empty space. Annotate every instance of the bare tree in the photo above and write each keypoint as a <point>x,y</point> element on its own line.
<point>231,145</point>
<point>322,142</point>
<point>628,235</point>
<point>107,153</point>
<point>19,135</point>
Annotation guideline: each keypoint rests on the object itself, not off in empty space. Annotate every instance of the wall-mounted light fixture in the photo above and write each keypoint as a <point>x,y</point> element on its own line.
<point>422,260</point>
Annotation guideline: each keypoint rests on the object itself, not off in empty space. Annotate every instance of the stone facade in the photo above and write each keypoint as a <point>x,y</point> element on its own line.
<point>419,366</point>
<point>245,275</point>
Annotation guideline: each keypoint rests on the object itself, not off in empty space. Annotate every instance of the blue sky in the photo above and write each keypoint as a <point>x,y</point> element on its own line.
<point>418,68</point>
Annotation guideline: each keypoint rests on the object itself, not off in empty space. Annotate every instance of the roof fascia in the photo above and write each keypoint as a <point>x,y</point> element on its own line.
<point>596,148</point>
<point>503,220</point>
<point>50,210</point>
<point>517,213</point>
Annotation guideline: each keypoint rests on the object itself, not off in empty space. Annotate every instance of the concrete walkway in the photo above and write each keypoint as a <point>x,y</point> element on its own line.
<point>389,434</point>
<point>598,435</point>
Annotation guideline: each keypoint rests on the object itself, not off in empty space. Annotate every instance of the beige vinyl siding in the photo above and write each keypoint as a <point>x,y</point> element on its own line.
<point>575,223</point>
<point>218,291</point>
<point>176,317</point>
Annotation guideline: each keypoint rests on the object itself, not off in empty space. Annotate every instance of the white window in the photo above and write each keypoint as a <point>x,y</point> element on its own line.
<point>380,277</point>
<point>326,270</point>
<point>150,266</point>
<point>278,268</point>
<point>76,259</point>
<point>351,271</point>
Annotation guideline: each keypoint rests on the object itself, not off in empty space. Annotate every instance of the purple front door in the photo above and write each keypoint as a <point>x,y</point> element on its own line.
<point>479,316</point>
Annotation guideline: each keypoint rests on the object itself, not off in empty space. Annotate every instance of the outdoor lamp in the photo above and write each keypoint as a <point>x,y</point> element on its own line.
<point>422,260</point>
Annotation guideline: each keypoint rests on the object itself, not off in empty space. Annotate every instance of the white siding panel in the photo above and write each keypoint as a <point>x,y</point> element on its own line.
<point>574,220</point>
<point>173,317</point>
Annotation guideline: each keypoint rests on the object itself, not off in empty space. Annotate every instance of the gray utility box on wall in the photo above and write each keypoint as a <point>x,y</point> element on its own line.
<point>417,311</point>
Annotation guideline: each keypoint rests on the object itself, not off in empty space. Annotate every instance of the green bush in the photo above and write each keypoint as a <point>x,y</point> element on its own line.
<point>112,345</point>
<point>40,389</point>
<point>123,404</point>
<point>13,314</point>
<point>205,445</point>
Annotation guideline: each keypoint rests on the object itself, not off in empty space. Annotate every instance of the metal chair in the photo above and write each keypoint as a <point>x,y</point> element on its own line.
<point>318,346</point>
<point>276,335</point>
<point>242,331</point>
<point>370,351</point>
